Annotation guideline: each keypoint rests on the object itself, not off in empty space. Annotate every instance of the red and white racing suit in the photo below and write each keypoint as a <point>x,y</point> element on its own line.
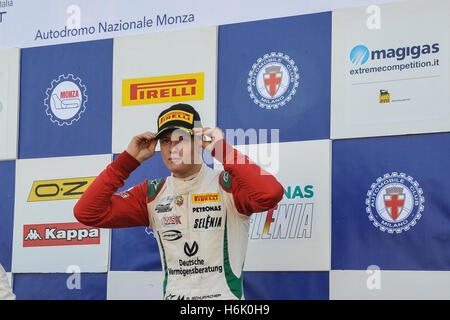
<point>201,223</point>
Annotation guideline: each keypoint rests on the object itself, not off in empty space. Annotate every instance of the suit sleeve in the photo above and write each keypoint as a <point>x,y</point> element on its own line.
<point>253,188</point>
<point>99,206</point>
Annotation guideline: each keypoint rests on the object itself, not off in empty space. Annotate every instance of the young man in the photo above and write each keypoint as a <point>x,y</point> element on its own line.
<point>200,216</point>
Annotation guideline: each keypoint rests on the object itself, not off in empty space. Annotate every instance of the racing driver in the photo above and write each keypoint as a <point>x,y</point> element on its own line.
<point>200,216</point>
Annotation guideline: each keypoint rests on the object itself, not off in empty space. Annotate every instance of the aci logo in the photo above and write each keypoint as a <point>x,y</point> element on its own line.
<point>66,100</point>
<point>273,80</point>
<point>359,55</point>
<point>394,203</point>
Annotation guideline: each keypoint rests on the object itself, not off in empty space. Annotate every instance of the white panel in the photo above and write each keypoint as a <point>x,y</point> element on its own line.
<point>389,285</point>
<point>162,54</point>
<point>54,258</point>
<point>418,94</point>
<point>9,102</point>
<point>297,234</point>
<point>135,285</point>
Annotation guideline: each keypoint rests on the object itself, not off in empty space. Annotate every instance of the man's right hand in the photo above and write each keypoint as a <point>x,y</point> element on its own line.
<point>142,146</point>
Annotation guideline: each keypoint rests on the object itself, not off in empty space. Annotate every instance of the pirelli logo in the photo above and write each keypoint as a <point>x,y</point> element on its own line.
<point>174,88</point>
<point>206,197</point>
<point>176,115</point>
<point>61,189</point>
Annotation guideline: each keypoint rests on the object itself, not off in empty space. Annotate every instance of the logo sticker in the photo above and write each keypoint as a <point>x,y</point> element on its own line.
<point>59,234</point>
<point>61,189</point>
<point>395,203</point>
<point>206,197</point>
<point>65,100</point>
<point>174,88</point>
<point>179,200</point>
<point>359,55</point>
<point>273,80</point>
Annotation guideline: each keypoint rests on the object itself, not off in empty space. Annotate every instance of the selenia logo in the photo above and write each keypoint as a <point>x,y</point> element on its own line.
<point>291,219</point>
<point>66,100</point>
<point>273,80</point>
<point>395,202</point>
<point>360,54</point>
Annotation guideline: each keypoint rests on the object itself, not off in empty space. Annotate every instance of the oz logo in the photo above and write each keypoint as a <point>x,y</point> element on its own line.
<point>395,202</point>
<point>273,80</point>
<point>66,100</point>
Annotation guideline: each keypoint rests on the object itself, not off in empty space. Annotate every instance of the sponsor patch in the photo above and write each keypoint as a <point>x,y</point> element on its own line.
<point>206,197</point>
<point>59,234</point>
<point>61,189</point>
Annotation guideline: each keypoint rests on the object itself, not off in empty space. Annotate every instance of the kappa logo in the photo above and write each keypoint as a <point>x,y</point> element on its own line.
<point>395,203</point>
<point>191,250</point>
<point>174,88</point>
<point>59,234</point>
<point>65,100</point>
<point>273,80</point>
<point>60,189</point>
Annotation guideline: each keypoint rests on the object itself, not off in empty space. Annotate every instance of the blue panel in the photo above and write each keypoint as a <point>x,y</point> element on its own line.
<point>286,285</point>
<point>66,100</point>
<point>136,249</point>
<point>306,40</point>
<point>53,286</point>
<point>7,191</point>
<point>357,164</point>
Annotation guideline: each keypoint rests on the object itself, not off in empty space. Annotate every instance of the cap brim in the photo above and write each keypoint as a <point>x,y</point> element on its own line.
<point>162,131</point>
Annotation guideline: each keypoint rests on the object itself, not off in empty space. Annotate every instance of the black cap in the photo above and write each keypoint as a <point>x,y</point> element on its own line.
<point>179,116</point>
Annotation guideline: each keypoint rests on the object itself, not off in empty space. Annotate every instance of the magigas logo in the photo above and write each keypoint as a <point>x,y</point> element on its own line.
<point>273,80</point>
<point>61,189</point>
<point>394,203</point>
<point>291,219</point>
<point>361,54</point>
<point>65,100</point>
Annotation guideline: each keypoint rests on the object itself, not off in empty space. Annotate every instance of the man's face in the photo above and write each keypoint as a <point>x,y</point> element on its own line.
<point>179,151</point>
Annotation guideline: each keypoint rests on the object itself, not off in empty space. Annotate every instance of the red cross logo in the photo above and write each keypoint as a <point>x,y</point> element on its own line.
<point>394,203</point>
<point>272,83</point>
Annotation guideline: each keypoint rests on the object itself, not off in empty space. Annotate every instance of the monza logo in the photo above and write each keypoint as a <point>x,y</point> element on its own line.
<point>206,197</point>
<point>173,88</point>
<point>65,100</point>
<point>59,234</point>
<point>273,80</point>
<point>394,203</point>
<point>61,189</point>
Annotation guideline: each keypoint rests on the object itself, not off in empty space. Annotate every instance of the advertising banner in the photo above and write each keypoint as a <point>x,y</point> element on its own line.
<point>47,237</point>
<point>275,74</point>
<point>9,102</point>
<point>135,285</point>
<point>153,72</point>
<point>395,79</point>
<point>375,284</point>
<point>295,235</point>
<point>65,100</point>
<point>390,203</point>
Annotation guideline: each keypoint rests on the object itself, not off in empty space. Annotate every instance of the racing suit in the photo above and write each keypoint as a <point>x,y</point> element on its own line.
<point>201,222</point>
<point>5,290</point>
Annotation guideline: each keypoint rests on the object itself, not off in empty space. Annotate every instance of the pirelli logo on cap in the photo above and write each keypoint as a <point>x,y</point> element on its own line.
<point>173,88</point>
<point>176,115</point>
<point>206,197</point>
<point>60,189</point>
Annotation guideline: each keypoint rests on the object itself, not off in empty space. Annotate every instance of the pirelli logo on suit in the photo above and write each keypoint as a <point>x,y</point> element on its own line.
<point>163,89</point>
<point>206,197</point>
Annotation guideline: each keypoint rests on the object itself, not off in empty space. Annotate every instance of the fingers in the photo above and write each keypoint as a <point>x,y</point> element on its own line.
<point>145,137</point>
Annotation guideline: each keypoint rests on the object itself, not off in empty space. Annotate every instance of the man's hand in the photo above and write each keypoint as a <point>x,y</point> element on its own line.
<point>142,146</point>
<point>210,136</point>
